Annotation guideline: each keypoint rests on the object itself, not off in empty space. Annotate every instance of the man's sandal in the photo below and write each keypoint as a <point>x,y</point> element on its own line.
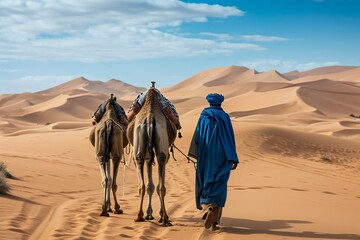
<point>209,219</point>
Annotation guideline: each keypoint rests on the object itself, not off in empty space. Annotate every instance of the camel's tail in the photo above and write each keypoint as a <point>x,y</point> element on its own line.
<point>150,132</point>
<point>107,138</point>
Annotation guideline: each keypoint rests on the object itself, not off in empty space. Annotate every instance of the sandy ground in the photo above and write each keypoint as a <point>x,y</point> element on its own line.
<point>298,176</point>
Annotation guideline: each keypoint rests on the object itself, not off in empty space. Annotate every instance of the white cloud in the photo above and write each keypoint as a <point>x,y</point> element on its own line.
<point>219,36</point>
<point>41,79</point>
<point>284,66</point>
<point>93,30</point>
<point>261,38</point>
<point>254,38</point>
<point>5,70</point>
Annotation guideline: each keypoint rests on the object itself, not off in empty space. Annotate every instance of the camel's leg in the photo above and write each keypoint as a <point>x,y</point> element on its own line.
<point>150,190</point>
<point>140,172</point>
<point>106,182</point>
<point>116,154</point>
<point>162,155</point>
<point>116,163</point>
<point>161,189</point>
<point>100,147</point>
<point>139,152</point>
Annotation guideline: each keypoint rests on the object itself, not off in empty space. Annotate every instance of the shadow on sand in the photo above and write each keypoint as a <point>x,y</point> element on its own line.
<point>272,227</point>
<point>16,198</point>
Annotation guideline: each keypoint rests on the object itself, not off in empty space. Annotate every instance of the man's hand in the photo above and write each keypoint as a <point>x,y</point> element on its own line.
<point>234,166</point>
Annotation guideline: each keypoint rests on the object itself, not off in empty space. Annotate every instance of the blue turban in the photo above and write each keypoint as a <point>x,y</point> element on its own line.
<point>215,99</point>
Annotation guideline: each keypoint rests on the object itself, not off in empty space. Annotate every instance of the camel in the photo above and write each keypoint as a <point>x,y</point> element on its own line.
<point>109,139</point>
<point>150,130</point>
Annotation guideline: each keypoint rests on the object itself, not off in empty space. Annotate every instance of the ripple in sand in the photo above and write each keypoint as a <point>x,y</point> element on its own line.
<point>18,230</point>
<point>331,193</point>
<point>124,236</point>
<point>90,235</point>
<point>299,189</point>
<point>62,235</point>
<point>128,227</point>
<point>89,229</point>
<point>92,221</point>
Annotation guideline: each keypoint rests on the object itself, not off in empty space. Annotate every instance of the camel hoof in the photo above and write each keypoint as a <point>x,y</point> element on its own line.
<point>104,214</point>
<point>214,228</point>
<point>166,224</point>
<point>118,211</point>
<point>109,210</point>
<point>149,217</point>
<point>139,220</point>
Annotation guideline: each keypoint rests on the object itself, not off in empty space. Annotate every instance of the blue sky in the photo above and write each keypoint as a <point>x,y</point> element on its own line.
<point>44,42</point>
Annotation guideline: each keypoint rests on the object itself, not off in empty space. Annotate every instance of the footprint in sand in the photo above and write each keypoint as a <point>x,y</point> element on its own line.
<point>89,230</point>
<point>92,221</point>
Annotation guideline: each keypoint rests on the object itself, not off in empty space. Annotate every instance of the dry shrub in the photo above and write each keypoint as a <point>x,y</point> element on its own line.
<point>6,173</point>
<point>4,187</point>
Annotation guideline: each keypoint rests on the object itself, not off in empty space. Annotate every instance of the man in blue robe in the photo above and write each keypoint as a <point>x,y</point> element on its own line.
<point>213,145</point>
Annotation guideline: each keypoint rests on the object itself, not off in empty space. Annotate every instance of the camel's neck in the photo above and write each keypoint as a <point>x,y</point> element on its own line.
<point>111,111</point>
<point>152,100</point>
<point>151,106</point>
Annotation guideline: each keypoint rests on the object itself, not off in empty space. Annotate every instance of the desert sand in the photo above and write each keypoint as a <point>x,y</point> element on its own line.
<point>298,176</point>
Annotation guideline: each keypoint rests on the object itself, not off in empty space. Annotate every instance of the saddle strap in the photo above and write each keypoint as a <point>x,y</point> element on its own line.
<point>104,119</point>
<point>117,124</point>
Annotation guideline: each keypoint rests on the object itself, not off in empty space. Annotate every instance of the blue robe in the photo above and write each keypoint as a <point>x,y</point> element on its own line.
<point>214,147</point>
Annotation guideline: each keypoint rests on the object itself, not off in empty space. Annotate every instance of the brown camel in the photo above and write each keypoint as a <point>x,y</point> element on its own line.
<point>109,139</point>
<point>149,131</point>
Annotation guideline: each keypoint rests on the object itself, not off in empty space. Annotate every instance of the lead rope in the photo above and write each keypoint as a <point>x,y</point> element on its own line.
<point>127,149</point>
<point>124,178</point>
<point>187,157</point>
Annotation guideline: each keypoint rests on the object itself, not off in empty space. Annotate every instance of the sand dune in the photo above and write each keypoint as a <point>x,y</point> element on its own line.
<point>318,71</point>
<point>70,101</point>
<point>298,177</point>
<point>208,77</point>
<point>351,75</point>
<point>115,86</point>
